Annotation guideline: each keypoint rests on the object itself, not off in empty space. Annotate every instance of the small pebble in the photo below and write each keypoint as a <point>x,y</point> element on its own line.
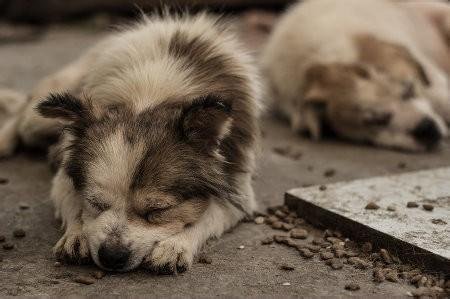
<point>204,259</point>
<point>19,233</point>
<point>306,253</point>
<point>326,255</point>
<point>391,208</point>
<point>84,280</point>
<point>412,204</point>
<point>98,274</point>
<point>4,181</point>
<point>286,283</point>
<point>259,220</point>
<point>401,165</point>
<point>24,206</point>
<point>241,247</point>
<point>57,264</point>
<point>287,267</point>
<point>2,238</point>
<point>372,206</point>
<point>322,187</point>
<point>352,286</point>
<point>299,233</point>
<point>267,241</point>
<point>329,173</point>
<point>428,207</point>
<point>8,246</point>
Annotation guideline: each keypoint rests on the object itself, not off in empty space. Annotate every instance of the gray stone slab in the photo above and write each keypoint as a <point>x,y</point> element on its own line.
<point>413,233</point>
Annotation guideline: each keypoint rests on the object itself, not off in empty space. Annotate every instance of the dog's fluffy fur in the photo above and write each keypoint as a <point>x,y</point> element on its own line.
<point>159,128</point>
<point>360,68</point>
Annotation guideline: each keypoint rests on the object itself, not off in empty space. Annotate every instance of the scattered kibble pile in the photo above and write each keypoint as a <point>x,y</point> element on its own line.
<point>336,251</point>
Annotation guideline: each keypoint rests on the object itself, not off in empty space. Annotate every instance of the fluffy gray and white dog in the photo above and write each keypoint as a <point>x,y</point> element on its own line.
<point>156,130</point>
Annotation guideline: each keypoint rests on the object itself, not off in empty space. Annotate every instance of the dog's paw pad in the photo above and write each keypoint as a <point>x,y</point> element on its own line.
<point>72,248</point>
<point>169,257</point>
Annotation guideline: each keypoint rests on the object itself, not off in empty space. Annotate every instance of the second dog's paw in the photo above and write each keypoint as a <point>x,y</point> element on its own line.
<point>169,257</point>
<point>8,138</point>
<point>72,247</point>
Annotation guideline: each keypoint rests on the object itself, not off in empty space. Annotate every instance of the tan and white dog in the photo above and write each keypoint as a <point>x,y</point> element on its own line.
<point>369,70</point>
<point>156,130</point>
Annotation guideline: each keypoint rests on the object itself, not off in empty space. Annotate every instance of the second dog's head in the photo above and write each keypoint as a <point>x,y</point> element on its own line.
<point>360,102</point>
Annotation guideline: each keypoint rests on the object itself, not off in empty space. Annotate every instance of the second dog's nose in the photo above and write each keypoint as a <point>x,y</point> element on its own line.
<point>113,256</point>
<point>427,133</point>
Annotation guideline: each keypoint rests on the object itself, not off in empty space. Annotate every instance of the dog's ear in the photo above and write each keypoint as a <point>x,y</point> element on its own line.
<point>63,106</point>
<point>206,122</point>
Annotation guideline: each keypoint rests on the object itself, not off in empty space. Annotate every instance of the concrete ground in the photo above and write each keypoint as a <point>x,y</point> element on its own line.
<point>253,271</point>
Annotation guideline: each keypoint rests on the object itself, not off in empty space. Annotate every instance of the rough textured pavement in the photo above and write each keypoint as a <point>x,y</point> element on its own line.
<point>253,271</point>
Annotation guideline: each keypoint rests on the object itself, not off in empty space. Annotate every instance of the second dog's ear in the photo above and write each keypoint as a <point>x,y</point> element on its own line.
<point>206,123</point>
<point>63,106</point>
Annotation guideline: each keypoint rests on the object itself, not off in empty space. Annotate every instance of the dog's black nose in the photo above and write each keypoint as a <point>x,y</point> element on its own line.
<point>427,133</point>
<point>113,256</point>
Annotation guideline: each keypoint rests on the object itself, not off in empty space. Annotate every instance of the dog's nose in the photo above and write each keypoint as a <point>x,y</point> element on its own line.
<point>113,256</point>
<point>427,133</point>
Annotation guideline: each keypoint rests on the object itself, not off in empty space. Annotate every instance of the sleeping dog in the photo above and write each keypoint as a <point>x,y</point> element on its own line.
<point>156,130</point>
<point>368,70</point>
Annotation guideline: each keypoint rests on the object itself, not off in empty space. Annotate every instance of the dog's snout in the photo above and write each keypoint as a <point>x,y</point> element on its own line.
<point>113,256</point>
<point>427,133</point>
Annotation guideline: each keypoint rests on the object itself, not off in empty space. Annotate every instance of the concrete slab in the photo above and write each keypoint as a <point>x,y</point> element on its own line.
<point>28,269</point>
<point>414,234</point>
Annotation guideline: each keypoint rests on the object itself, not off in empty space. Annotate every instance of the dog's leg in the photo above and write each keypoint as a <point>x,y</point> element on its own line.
<point>177,253</point>
<point>11,102</point>
<point>73,245</point>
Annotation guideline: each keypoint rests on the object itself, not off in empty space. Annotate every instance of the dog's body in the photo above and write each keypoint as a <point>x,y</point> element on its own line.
<point>361,68</point>
<point>158,147</point>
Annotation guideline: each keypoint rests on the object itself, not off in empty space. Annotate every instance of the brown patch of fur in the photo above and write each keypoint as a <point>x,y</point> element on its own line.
<point>395,59</point>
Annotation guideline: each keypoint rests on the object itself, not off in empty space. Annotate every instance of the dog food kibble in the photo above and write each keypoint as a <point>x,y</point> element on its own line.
<point>280,214</point>
<point>329,173</point>
<point>8,246</point>
<point>287,267</point>
<point>267,241</point>
<point>412,204</point>
<point>367,247</point>
<point>204,259</point>
<point>306,253</point>
<point>277,225</point>
<point>322,187</point>
<point>335,263</point>
<point>98,274</point>
<point>287,226</point>
<point>391,208</point>
<point>259,220</point>
<point>372,206</point>
<point>352,286</point>
<point>19,233</point>
<point>386,256</point>
<point>378,275</point>
<point>391,276</point>
<point>326,255</point>
<point>4,181</point>
<point>428,207</point>
<point>438,221</point>
<point>2,238</point>
<point>299,233</point>
<point>84,280</point>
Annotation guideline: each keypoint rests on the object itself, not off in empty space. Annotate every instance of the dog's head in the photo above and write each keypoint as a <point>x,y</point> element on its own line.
<point>142,176</point>
<point>363,103</point>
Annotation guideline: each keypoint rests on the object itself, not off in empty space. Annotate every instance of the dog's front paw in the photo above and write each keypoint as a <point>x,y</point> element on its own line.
<point>72,247</point>
<point>169,257</point>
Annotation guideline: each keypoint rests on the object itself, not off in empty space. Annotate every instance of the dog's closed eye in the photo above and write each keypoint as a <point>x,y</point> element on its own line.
<point>98,204</point>
<point>155,214</point>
